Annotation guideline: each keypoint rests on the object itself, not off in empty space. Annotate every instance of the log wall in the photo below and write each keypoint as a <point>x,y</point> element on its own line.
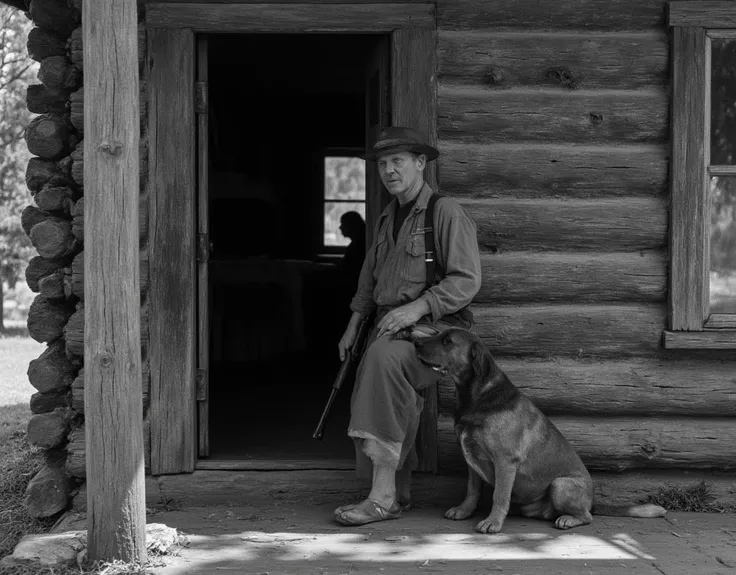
<point>55,225</point>
<point>553,124</point>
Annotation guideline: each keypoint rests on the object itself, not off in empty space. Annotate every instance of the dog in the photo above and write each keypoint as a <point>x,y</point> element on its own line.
<point>510,444</point>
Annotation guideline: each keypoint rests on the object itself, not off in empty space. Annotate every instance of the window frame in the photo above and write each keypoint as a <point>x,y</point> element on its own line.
<point>690,323</point>
<point>339,151</point>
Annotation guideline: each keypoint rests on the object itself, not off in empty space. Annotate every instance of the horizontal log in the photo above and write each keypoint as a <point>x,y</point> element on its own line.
<point>75,459</point>
<point>53,239</point>
<point>295,18</point>
<point>76,48</point>
<point>47,430</point>
<point>76,110</point>
<point>48,136</point>
<point>475,115</point>
<point>41,45</point>
<point>74,333</point>
<point>572,330</point>
<point>30,216</point>
<point>622,443</point>
<point>58,73</point>
<point>40,173</point>
<point>42,100</point>
<point>37,269</point>
<point>51,371</point>
<point>77,157</point>
<point>608,15</point>
<point>78,392</point>
<point>644,387</point>
<point>47,493</point>
<point>544,170</point>
<point>601,225</point>
<point>77,213</point>
<point>52,287</point>
<point>708,14</point>
<point>55,199</point>
<point>47,402</point>
<point>46,319</point>
<point>513,277</point>
<point>58,18</point>
<point>620,61</point>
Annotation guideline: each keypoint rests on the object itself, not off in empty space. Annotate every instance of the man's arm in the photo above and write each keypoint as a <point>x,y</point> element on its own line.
<point>457,237</point>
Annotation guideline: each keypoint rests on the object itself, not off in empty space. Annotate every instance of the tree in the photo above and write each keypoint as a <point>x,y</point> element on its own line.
<point>17,70</point>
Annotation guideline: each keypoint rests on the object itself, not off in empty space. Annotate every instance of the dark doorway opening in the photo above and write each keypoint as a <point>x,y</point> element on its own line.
<point>279,105</point>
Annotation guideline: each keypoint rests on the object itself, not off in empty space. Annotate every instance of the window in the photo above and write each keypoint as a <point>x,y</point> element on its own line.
<point>344,191</point>
<point>702,303</point>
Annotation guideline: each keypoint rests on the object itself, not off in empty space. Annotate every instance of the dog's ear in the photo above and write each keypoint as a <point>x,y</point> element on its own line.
<point>481,361</point>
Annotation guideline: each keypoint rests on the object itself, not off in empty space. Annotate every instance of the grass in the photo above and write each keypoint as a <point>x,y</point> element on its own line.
<point>696,497</point>
<point>19,461</point>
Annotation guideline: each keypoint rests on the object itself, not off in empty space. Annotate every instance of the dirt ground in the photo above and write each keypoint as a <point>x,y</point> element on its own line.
<point>275,537</point>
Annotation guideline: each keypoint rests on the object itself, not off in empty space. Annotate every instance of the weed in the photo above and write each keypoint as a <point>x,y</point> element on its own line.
<point>696,497</point>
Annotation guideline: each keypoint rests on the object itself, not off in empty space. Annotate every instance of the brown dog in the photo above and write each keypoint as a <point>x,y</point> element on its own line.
<point>510,444</point>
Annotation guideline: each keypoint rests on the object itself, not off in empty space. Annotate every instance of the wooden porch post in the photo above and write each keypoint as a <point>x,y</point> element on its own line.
<point>112,348</point>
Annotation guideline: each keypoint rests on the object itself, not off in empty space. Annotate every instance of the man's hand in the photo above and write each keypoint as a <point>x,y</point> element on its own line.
<point>348,338</point>
<point>402,317</point>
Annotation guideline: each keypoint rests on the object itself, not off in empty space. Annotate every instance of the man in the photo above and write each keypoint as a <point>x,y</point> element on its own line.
<point>385,405</point>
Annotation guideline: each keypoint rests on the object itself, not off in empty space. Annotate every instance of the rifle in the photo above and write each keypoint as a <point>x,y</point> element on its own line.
<point>354,355</point>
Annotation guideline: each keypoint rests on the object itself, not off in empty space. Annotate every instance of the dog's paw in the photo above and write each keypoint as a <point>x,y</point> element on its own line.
<point>569,521</point>
<point>489,525</point>
<point>458,513</point>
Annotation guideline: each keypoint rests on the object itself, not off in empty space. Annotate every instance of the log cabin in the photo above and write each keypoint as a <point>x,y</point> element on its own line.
<point>586,139</point>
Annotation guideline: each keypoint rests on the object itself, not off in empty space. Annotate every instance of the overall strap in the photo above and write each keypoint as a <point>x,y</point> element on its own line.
<point>430,258</point>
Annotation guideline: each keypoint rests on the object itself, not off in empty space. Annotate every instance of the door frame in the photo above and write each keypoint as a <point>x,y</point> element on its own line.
<point>411,28</point>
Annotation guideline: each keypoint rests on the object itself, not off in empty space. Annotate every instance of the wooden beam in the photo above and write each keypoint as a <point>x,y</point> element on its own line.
<point>112,347</point>
<point>705,339</point>
<point>690,136</point>
<point>706,14</point>
<point>292,18</point>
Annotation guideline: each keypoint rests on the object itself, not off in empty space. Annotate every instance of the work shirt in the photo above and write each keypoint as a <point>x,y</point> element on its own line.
<point>394,273</point>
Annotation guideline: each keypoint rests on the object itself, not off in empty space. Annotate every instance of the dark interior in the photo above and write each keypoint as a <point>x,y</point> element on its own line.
<point>279,303</point>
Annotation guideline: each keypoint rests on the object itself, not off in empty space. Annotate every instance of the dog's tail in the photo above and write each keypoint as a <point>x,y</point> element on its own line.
<point>644,510</point>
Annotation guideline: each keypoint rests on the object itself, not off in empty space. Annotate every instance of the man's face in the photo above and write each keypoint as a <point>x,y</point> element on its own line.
<point>400,170</point>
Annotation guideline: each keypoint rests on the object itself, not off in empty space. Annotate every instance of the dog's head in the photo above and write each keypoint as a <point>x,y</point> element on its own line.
<point>457,353</point>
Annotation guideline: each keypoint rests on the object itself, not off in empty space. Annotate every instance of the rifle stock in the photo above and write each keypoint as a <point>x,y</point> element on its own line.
<point>356,352</point>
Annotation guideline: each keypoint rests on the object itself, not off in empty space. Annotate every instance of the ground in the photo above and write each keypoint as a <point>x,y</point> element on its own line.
<point>298,538</point>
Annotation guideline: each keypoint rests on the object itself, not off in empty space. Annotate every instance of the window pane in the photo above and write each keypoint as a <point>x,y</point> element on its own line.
<point>344,178</point>
<point>723,102</point>
<point>723,245</point>
<point>333,213</point>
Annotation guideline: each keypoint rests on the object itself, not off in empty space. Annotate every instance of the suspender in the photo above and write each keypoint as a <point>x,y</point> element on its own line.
<point>430,259</point>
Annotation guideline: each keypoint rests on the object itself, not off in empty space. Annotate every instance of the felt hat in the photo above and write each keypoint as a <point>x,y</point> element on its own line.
<point>400,139</point>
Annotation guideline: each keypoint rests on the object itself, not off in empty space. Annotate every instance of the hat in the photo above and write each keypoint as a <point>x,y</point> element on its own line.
<point>398,139</point>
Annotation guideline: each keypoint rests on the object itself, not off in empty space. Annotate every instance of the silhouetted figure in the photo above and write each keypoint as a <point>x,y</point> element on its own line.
<point>352,227</point>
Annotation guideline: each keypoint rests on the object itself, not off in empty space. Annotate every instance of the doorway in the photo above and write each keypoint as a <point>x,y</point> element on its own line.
<point>288,117</point>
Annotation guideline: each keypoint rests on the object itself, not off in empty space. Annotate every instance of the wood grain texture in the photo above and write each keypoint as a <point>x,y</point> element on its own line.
<point>112,342</point>
<point>708,14</point>
<point>476,115</point>
<point>203,224</point>
<point>571,330</point>
<point>500,60</point>
<point>291,18</point>
<point>517,277</point>
<point>623,443</point>
<point>690,134</point>
<point>414,104</point>
<point>582,15</point>
<point>603,225</point>
<point>705,339</point>
<point>641,387</point>
<point>171,248</point>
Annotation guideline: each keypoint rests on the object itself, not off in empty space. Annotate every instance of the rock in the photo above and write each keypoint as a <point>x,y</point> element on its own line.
<point>47,493</point>
<point>161,539</point>
<point>51,549</point>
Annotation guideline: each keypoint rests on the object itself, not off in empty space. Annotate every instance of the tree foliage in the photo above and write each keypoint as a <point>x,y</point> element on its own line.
<point>17,70</point>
